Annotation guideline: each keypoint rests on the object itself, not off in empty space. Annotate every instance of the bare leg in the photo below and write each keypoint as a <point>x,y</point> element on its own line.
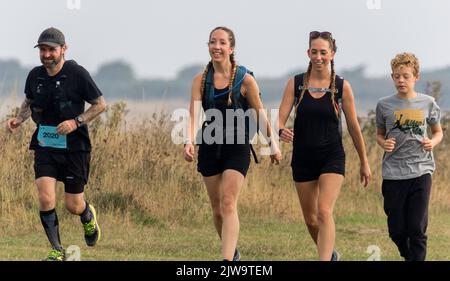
<point>213,187</point>
<point>329,188</point>
<point>308,194</point>
<point>230,187</point>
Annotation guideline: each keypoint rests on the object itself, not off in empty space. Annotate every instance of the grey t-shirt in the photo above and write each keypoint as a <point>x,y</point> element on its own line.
<point>406,120</point>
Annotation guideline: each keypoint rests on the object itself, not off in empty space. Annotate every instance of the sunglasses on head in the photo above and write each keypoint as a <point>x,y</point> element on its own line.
<point>317,34</point>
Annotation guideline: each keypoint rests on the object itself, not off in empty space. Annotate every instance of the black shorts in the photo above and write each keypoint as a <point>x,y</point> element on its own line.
<point>71,168</point>
<point>309,163</point>
<point>215,158</point>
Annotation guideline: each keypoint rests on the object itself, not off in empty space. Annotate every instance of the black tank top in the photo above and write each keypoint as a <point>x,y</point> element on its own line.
<point>220,102</point>
<point>316,124</point>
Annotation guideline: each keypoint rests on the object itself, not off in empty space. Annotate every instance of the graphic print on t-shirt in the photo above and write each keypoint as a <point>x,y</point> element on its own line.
<point>409,120</point>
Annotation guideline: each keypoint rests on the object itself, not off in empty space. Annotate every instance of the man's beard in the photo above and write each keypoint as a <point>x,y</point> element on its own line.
<point>53,63</point>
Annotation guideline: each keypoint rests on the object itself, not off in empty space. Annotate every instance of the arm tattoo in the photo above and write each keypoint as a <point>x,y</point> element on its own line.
<point>98,105</point>
<point>25,110</point>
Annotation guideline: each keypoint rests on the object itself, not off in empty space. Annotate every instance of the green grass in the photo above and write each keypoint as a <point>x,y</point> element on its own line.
<point>129,239</point>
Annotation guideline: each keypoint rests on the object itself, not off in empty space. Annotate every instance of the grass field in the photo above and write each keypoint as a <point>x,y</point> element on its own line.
<point>124,239</point>
<point>152,204</point>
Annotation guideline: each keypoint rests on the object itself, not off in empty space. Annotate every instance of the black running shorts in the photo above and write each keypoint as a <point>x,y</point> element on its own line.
<point>71,168</point>
<point>310,163</point>
<point>215,158</point>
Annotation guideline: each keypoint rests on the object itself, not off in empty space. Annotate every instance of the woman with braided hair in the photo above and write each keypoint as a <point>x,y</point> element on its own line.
<point>224,88</point>
<point>318,157</point>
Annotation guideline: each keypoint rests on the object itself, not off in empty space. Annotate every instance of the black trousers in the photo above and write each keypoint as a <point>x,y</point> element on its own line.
<point>406,207</point>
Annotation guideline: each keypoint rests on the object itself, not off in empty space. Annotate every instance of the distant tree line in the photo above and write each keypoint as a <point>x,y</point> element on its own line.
<point>117,80</point>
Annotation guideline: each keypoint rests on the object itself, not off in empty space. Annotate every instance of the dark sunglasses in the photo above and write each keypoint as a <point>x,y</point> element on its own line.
<point>317,34</point>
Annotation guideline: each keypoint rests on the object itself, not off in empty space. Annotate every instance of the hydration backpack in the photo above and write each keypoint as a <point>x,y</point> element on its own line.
<point>238,101</point>
<point>53,94</point>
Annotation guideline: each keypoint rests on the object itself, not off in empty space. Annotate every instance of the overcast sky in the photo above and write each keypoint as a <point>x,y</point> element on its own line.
<point>159,37</point>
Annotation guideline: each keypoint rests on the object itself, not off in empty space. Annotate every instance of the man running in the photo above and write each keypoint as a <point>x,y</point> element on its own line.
<point>56,93</point>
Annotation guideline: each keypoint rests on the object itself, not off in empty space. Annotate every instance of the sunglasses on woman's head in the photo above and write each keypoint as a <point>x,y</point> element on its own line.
<point>317,34</point>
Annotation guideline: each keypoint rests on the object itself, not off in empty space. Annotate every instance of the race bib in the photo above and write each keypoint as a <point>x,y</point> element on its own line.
<point>48,137</point>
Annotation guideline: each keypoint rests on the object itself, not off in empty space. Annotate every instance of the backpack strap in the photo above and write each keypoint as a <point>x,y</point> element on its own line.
<point>298,86</point>
<point>237,83</point>
<point>62,100</point>
<point>338,99</point>
<point>339,87</point>
<point>339,91</point>
<point>254,154</point>
<point>61,93</point>
<point>208,93</point>
<point>241,71</point>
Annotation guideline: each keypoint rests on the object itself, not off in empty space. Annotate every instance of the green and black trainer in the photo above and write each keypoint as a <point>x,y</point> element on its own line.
<point>56,255</point>
<point>92,232</point>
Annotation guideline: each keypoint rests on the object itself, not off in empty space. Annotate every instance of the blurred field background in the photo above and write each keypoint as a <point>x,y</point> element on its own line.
<point>152,205</point>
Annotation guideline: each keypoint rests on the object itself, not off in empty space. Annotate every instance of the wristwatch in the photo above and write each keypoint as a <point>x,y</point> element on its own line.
<point>79,120</point>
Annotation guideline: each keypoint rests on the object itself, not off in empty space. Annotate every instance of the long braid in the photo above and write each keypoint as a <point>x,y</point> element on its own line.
<point>305,86</point>
<point>233,75</point>
<point>333,90</point>
<point>205,73</point>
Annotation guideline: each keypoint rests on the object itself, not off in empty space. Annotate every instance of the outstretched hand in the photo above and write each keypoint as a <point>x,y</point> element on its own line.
<point>13,123</point>
<point>275,155</point>
<point>365,174</point>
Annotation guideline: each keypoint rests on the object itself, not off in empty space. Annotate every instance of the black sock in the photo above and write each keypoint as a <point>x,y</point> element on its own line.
<point>50,222</point>
<point>86,215</point>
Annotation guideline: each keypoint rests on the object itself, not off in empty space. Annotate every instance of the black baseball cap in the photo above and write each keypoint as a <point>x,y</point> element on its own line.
<point>51,37</point>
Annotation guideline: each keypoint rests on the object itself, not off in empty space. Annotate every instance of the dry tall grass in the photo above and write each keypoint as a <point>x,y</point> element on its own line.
<point>139,176</point>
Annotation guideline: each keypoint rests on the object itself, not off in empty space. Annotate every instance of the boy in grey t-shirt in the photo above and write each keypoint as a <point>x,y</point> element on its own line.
<point>408,162</point>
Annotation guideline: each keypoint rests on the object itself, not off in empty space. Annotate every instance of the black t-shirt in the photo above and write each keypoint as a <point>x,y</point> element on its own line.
<point>61,97</point>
